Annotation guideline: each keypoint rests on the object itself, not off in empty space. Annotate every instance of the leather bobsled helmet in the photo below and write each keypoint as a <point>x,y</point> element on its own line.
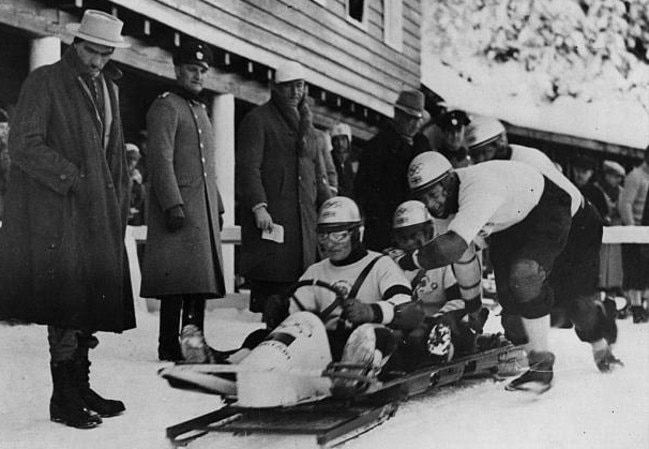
<point>338,213</point>
<point>410,213</point>
<point>427,169</point>
<point>483,130</point>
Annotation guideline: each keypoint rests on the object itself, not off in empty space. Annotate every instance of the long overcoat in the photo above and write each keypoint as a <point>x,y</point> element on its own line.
<point>181,161</point>
<point>272,169</point>
<point>62,255</point>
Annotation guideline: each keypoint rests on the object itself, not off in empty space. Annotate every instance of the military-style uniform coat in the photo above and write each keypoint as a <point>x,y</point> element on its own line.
<point>62,255</point>
<point>182,168</point>
<point>272,169</point>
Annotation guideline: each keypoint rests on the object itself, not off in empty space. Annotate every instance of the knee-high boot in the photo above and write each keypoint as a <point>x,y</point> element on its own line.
<point>168,343</point>
<point>66,405</point>
<point>93,401</point>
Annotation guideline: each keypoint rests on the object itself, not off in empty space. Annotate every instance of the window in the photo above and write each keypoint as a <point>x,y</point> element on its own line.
<point>393,23</point>
<point>356,10</point>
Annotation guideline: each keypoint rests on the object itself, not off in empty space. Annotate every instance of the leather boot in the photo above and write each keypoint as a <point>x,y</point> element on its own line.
<point>168,342</point>
<point>194,312</point>
<point>103,407</point>
<point>66,405</point>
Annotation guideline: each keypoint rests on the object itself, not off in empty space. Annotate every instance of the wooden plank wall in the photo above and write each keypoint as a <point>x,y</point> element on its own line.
<point>340,56</point>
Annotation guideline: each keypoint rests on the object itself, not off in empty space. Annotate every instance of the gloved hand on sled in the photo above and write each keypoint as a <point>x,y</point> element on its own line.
<point>477,319</point>
<point>357,312</point>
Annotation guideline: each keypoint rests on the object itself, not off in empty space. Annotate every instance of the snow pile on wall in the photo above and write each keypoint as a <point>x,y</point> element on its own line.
<point>565,66</point>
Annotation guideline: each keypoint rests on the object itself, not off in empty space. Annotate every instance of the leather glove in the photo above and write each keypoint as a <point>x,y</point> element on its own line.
<point>275,310</point>
<point>477,319</point>
<point>394,253</point>
<point>175,218</point>
<point>357,312</point>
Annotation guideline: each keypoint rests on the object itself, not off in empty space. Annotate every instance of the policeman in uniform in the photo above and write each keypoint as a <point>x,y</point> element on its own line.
<point>182,261</point>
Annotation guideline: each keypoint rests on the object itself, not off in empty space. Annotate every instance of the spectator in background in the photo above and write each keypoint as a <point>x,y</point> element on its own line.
<point>450,138</point>
<point>610,269</point>
<point>63,262</point>
<point>346,166</point>
<point>583,169</point>
<point>380,184</point>
<point>138,193</point>
<point>5,160</point>
<point>631,205</point>
<point>320,140</point>
<point>279,184</point>
<point>182,259</point>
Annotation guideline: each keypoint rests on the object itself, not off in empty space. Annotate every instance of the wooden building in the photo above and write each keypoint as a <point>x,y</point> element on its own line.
<point>358,55</point>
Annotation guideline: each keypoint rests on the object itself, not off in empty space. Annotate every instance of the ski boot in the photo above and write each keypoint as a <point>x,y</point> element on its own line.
<point>605,360</point>
<point>538,378</point>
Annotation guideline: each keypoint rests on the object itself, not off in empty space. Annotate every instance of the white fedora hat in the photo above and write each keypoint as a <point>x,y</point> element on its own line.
<point>99,28</point>
<point>289,71</point>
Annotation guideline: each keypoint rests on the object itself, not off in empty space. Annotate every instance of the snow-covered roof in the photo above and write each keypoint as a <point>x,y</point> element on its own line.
<point>506,92</point>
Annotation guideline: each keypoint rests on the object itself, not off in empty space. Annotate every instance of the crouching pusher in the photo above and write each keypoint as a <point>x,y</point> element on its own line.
<point>527,219</point>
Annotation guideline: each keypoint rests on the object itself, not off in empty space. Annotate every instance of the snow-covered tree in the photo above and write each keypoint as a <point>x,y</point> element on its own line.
<point>587,49</point>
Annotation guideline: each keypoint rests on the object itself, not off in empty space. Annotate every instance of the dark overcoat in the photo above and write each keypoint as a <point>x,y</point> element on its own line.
<point>62,255</point>
<point>271,168</point>
<point>181,162</point>
<point>381,183</point>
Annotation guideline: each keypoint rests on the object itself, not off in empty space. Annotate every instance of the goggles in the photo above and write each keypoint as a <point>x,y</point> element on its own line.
<point>333,236</point>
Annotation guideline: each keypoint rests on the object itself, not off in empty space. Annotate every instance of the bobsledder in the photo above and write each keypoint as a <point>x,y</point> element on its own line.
<point>289,384</point>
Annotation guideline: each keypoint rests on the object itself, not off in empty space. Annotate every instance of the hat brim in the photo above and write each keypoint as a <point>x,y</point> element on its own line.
<point>481,145</point>
<point>410,111</point>
<point>73,28</point>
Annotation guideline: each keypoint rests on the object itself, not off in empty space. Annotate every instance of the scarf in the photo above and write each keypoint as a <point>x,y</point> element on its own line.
<point>300,120</point>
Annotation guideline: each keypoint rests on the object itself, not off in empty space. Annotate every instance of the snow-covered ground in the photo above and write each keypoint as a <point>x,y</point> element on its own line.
<point>585,409</point>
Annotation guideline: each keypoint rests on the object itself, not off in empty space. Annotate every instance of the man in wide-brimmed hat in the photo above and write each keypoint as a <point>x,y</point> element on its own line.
<point>380,184</point>
<point>62,257</point>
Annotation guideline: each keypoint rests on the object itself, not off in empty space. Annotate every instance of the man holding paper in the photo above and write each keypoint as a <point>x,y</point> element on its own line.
<point>280,185</point>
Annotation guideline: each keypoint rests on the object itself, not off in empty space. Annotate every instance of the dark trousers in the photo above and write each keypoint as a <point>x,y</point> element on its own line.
<point>540,238</point>
<point>572,284</point>
<point>261,290</point>
<point>68,344</point>
<point>172,309</point>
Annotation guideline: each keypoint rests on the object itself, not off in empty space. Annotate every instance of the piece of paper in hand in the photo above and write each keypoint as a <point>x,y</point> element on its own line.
<point>276,234</point>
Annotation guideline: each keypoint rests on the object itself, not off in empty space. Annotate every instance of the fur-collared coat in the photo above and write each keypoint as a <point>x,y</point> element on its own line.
<point>62,256</point>
<point>275,168</point>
